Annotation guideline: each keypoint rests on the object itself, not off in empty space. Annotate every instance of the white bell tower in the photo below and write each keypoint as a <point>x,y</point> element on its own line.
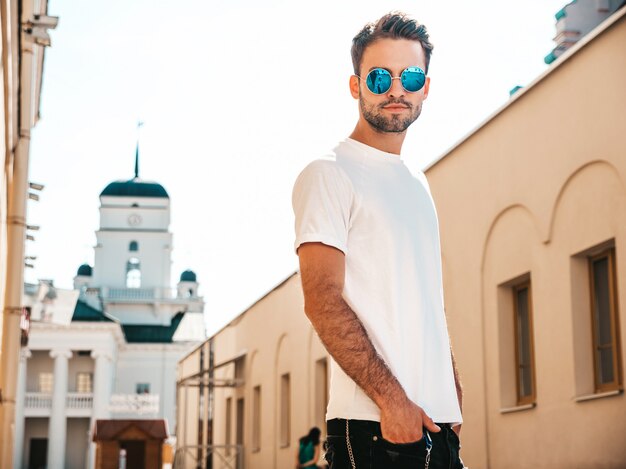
<point>134,243</point>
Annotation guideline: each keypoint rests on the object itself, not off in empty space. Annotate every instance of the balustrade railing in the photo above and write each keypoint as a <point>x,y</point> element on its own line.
<point>79,400</point>
<point>38,400</point>
<point>73,400</point>
<point>137,294</point>
<point>134,404</point>
<point>131,293</point>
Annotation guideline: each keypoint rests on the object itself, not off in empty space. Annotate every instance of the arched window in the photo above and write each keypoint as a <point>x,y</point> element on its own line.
<point>133,273</point>
<point>133,246</point>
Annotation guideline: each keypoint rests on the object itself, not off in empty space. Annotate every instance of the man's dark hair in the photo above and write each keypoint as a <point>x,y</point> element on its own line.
<point>394,25</point>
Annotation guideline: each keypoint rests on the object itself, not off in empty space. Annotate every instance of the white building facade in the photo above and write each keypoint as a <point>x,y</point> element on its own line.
<point>109,348</point>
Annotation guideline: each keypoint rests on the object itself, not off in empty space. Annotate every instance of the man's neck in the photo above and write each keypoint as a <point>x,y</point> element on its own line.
<point>390,142</point>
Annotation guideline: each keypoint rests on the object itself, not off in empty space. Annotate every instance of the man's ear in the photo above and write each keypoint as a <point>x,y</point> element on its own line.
<point>426,87</point>
<point>354,86</point>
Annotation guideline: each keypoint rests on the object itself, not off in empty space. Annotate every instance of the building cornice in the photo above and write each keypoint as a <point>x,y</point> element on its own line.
<point>114,329</point>
<point>56,331</point>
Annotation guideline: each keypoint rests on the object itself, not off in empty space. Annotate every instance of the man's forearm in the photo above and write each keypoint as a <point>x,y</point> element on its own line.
<point>347,341</point>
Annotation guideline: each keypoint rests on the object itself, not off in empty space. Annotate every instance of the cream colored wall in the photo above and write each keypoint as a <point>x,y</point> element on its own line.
<point>187,407</point>
<point>539,184</point>
<point>5,174</point>
<point>21,77</point>
<point>4,202</point>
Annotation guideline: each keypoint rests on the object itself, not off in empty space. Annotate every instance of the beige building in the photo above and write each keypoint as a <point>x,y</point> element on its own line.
<point>532,210</point>
<point>24,25</point>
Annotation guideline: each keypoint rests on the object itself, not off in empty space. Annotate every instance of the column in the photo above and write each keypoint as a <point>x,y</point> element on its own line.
<point>20,395</point>
<point>103,383</point>
<point>57,429</point>
<point>102,390</point>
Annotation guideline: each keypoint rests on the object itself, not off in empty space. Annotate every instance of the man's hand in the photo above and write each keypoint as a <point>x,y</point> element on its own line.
<point>402,422</point>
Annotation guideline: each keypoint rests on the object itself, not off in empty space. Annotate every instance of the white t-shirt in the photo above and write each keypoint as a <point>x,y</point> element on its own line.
<point>366,203</point>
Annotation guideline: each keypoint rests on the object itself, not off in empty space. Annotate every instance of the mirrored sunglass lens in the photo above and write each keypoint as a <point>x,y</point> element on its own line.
<point>378,81</point>
<point>413,79</point>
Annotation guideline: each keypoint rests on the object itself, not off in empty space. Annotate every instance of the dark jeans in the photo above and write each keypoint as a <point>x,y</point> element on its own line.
<point>371,451</point>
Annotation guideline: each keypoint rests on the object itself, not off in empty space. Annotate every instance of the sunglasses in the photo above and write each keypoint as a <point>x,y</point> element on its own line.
<point>379,80</point>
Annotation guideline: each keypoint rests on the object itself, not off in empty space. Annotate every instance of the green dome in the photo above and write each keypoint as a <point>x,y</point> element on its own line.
<point>135,188</point>
<point>84,270</point>
<point>188,276</point>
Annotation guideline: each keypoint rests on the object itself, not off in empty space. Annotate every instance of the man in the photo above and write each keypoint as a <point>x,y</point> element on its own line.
<point>368,242</point>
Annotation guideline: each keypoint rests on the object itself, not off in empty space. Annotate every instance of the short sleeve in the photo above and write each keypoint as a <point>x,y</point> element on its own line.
<point>322,198</point>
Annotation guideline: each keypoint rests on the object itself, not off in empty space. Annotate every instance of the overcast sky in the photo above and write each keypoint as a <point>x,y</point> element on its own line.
<point>237,97</point>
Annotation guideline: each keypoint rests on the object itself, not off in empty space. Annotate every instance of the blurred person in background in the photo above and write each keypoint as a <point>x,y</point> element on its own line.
<point>309,449</point>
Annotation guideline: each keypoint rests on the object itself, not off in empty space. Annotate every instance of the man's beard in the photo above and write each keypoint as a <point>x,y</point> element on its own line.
<point>395,124</point>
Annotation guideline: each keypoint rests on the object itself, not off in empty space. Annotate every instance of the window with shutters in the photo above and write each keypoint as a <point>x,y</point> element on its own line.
<point>524,350</point>
<point>605,323</point>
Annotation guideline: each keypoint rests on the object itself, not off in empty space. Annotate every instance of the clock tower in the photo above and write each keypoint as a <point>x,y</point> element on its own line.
<point>134,244</point>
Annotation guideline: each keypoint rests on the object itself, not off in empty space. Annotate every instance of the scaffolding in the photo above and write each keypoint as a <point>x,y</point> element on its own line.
<point>206,455</point>
<point>228,455</point>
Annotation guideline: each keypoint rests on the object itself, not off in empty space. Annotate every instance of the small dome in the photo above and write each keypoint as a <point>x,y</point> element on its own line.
<point>188,276</point>
<point>85,270</point>
<point>135,188</point>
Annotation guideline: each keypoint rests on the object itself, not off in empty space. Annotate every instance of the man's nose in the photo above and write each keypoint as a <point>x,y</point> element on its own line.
<point>396,89</point>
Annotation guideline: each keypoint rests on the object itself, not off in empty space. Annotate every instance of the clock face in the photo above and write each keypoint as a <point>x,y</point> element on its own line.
<point>134,219</point>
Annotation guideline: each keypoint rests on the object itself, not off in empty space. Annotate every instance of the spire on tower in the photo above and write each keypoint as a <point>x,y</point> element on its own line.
<point>137,160</point>
<point>139,125</point>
